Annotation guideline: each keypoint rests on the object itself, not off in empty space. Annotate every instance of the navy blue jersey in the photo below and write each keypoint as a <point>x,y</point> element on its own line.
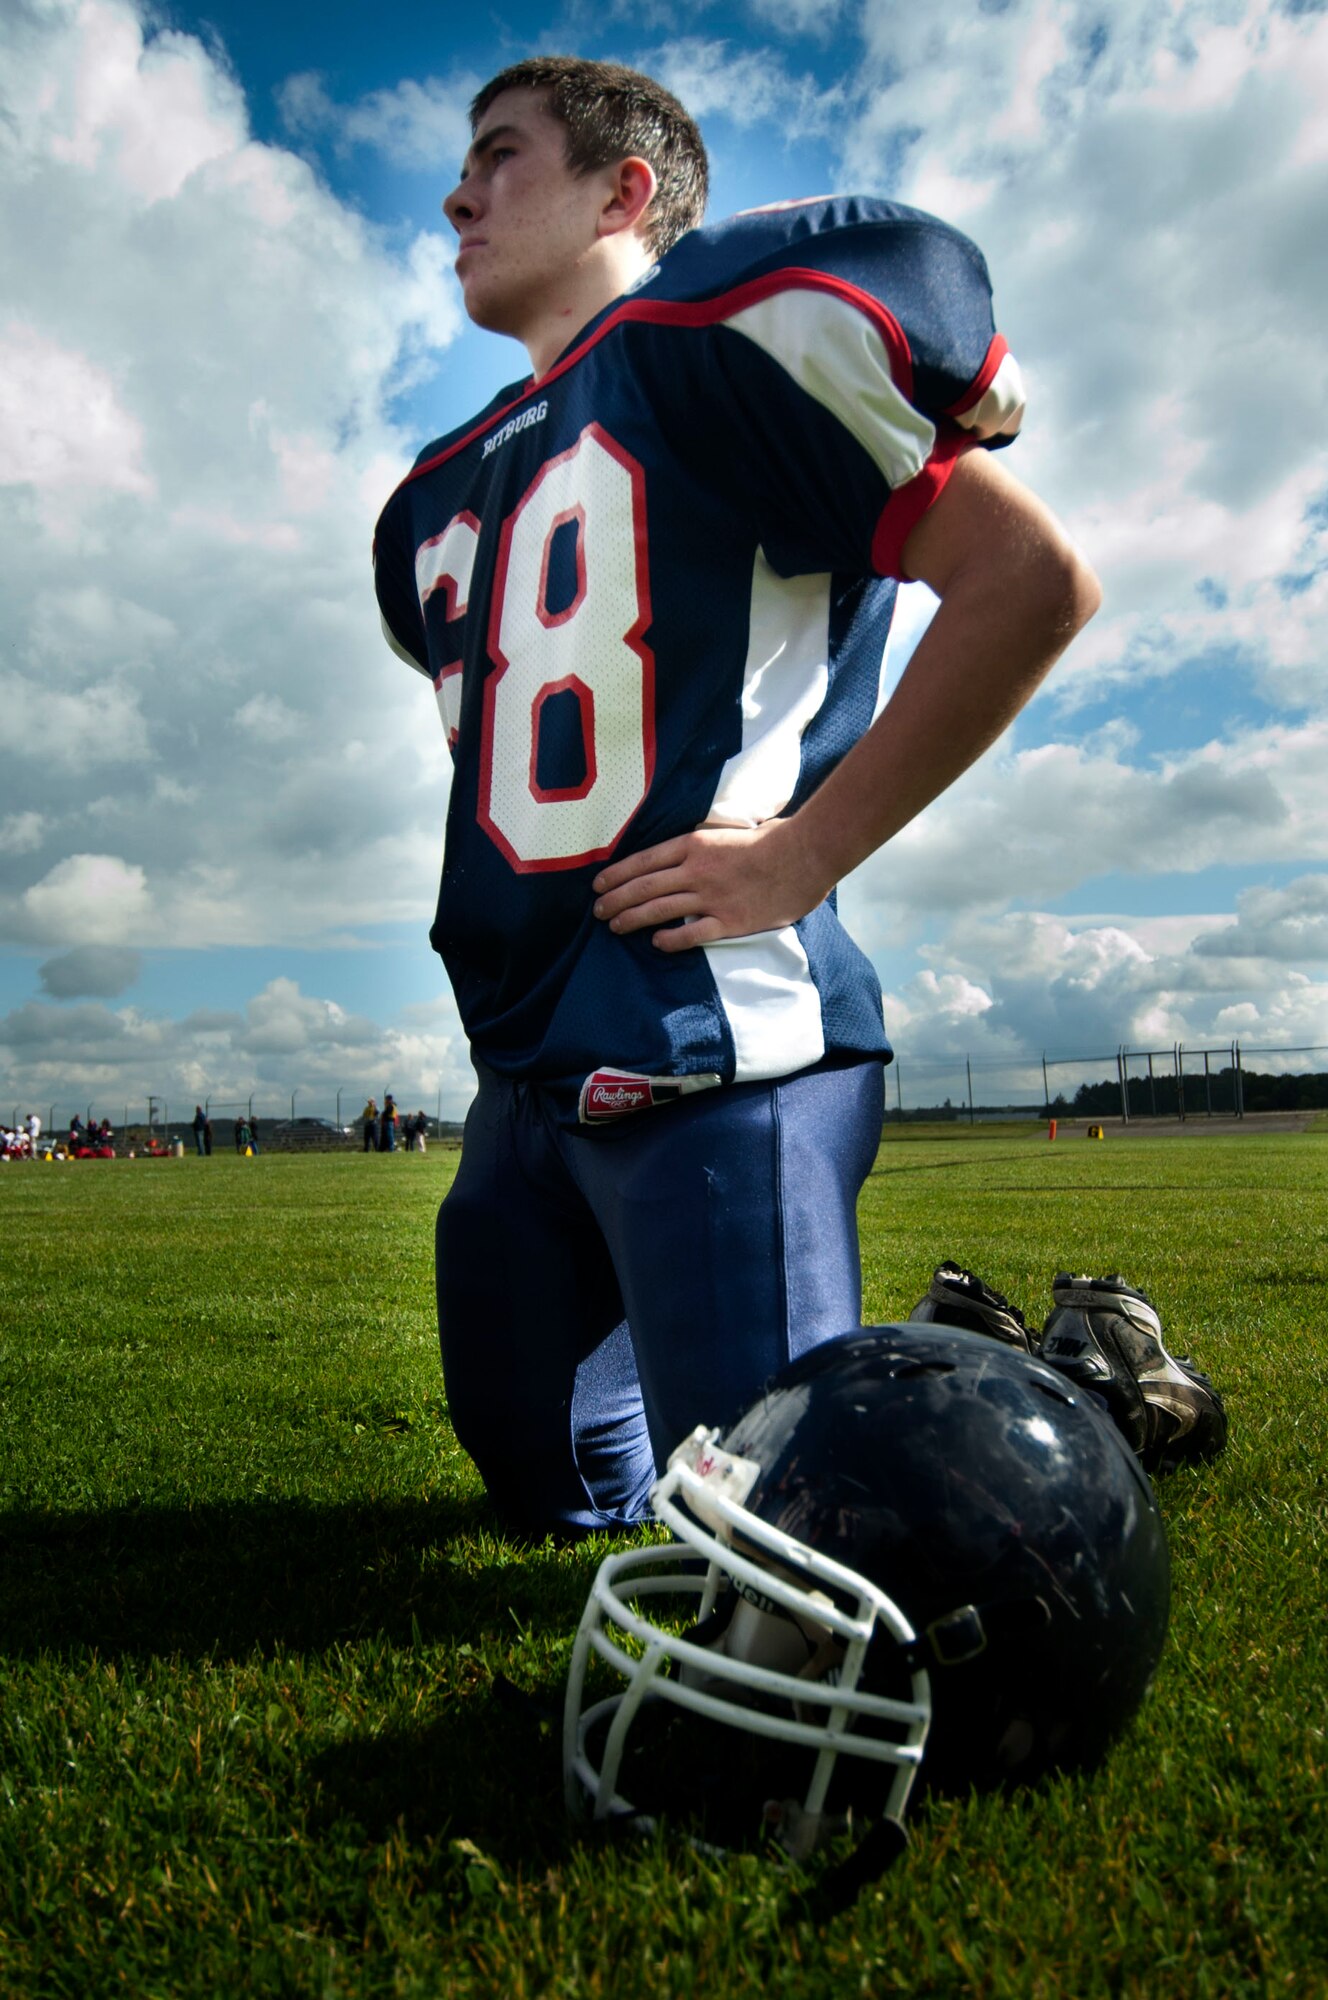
<point>652,592</point>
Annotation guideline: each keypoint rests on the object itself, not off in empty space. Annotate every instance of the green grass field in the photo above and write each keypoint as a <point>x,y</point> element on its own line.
<point>252,1613</point>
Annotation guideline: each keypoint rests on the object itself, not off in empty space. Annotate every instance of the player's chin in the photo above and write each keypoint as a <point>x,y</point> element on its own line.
<point>484,306</point>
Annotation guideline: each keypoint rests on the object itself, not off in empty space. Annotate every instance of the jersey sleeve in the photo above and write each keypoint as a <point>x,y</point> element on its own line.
<point>398,599</point>
<point>856,373</point>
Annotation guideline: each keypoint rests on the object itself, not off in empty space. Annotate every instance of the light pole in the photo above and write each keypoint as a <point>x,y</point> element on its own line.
<point>292,1107</point>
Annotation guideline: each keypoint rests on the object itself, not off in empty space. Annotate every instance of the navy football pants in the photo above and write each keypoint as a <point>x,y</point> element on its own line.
<point>602,1293</point>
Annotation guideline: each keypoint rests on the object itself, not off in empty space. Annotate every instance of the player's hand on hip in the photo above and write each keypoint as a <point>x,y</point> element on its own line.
<point>720,881</point>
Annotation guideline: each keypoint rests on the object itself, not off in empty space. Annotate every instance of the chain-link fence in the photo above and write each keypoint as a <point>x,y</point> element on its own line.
<point>1229,1079</point>
<point>1182,1081</point>
<point>975,1088</point>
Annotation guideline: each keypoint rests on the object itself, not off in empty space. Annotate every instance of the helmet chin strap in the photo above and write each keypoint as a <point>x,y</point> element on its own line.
<point>840,1886</point>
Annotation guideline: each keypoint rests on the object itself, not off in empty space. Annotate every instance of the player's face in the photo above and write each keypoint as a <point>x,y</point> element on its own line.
<point>525,220</point>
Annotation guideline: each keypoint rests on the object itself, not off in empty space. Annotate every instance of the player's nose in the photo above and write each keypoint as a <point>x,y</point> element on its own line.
<point>462,205</point>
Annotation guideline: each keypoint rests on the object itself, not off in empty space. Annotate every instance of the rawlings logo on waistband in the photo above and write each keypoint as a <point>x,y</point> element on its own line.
<point>605,1097</point>
<point>617,1093</point>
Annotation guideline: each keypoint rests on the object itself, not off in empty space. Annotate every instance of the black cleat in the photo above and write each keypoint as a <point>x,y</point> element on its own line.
<point>957,1298</point>
<point>1106,1337</point>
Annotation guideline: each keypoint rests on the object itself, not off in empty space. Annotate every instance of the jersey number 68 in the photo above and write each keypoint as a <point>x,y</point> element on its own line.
<point>589,650</point>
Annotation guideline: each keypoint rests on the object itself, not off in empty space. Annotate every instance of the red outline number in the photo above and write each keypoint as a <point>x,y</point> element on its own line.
<point>586,702</point>
<point>548,619</point>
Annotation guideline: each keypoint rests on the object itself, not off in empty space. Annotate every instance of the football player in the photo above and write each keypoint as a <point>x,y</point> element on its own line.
<point>652,585</point>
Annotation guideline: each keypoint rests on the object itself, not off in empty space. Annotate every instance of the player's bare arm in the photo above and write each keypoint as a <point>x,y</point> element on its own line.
<point>1013,593</point>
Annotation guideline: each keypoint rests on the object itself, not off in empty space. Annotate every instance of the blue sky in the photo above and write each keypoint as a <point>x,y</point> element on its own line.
<point>230,321</point>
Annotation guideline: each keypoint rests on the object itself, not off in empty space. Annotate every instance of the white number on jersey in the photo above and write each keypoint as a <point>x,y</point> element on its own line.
<point>445,563</point>
<point>591,650</point>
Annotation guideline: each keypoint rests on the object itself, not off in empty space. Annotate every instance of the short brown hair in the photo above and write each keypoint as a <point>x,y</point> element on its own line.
<point>611,113</point>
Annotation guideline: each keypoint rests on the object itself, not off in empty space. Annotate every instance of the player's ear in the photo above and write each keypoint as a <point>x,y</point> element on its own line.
<point>631,189</point>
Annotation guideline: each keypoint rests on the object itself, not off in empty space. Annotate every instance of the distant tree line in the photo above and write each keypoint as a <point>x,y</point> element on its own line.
<point>949,1112</point>
<point>1157,1096</point>
<point>1149,1097</point>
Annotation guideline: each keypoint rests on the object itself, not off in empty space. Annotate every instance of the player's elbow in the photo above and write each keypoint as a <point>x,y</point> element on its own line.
<point>1084,589</point>
<point>1081,591</point>
<point>1062,589</point>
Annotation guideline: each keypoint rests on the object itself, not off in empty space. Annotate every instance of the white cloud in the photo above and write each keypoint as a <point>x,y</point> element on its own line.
<point>1291,1018</point>
<point>281,1020</point>
<point>200,344</point>
<point>747,86</point>
<point>62,425</point>
<point>143,117</point>
<point>73,732</point>
<point>1290,924</point>
<point>267,715</point>
<point>817,18</point>
<point>81,629</point>
<point>88,898</point>
<point>1077,987</point>
<point>21,833</point>
<point>946,997</point>
<point>1037,824</point>
<point>282,1041</point>
<point>415,124</point>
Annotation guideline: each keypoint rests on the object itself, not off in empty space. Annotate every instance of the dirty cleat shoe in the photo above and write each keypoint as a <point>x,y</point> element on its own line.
<point>956,1297</point>
<point>1106,1337</point>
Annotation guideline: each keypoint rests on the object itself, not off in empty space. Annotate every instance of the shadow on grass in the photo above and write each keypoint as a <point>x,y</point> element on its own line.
<point>888,1163</point>
<point>222,1581</point>
<point>485,1769</point>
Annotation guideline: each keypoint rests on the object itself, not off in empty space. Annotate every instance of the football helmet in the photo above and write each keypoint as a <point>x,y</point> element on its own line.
<point>918,1551</point>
